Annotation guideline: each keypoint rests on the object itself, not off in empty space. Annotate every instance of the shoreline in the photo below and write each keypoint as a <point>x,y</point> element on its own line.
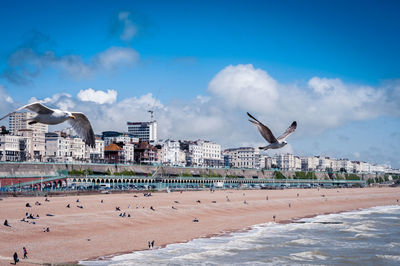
<point>246,229</point>
<point>97,232</point>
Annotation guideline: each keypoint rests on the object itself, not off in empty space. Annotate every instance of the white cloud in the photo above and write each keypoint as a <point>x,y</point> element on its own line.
<point>129,30</point>
<point>6,102</point>
<point>220,115</point>
<point>115,57</point>
<point>100,97</point>
<point>245,87</point>
<point>27,63</point>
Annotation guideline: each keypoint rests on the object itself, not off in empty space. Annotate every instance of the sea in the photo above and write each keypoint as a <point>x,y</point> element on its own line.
<point>363,237</point>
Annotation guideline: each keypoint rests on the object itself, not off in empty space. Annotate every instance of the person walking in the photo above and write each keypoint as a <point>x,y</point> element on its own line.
<point>15,258</point>
<point>25,253</point>
<point>152,244</point>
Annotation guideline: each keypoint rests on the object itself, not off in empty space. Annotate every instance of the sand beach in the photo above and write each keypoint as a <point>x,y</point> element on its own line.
<point>98,229</point>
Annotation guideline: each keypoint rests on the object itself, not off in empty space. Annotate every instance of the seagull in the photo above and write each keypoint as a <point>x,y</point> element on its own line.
<point>45,115</point>
<point>275,143</point>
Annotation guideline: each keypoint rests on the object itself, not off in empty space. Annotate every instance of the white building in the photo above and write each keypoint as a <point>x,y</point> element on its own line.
<point>309,163</point>
<point>129,152</point>
<point>288,162</point>
<point>211,153</point>
<point>58,147</point>
<point>145,131</point>
<point>195,154</point>
<point>9,148</point>
<point>78,149</point>
<point>172,154</point>
<point>35,144</point>
<point>243,157</point>
<point>123,138</point>
<point>96,154</point>
<point>18,121</point>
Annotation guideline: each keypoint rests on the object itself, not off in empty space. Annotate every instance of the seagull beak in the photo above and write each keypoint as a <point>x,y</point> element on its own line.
<point>71,116</point>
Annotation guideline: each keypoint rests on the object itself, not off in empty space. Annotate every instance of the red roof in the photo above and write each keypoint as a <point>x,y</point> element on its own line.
<point>113,147</point>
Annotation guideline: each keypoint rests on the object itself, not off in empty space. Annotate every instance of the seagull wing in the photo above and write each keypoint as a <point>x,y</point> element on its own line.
<point>288,131</point>
<point>83,128</point>
<point>36,107</point>
<point>264,130</point>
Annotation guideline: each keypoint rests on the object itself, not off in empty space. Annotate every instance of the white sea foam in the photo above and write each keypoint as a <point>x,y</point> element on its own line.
<point>282,241</point>
<point>309,255</point>
<point>303,241</point>
<point>389,257</point>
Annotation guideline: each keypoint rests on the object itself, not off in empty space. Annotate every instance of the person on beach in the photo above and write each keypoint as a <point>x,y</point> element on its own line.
<point>274,217</point>
<point>15,256</point>
<point>152,244</point>
<point>25,253</point>
<point>149,244</point>
<point>6,223</point>
<point>267,198</point>
<point>289,205</point>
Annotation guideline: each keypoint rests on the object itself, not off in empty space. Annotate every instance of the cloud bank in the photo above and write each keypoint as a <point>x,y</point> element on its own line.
<point>36,55</point>
<point>220,114</point>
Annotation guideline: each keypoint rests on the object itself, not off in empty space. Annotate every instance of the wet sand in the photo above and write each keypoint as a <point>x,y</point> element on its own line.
<point>97,230</point>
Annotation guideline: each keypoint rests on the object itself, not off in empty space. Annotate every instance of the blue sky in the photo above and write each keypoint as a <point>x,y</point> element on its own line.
<point>331,65</point>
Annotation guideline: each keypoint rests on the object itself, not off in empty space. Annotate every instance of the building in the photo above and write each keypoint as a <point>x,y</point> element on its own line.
<point>19,120</point>
<point>309,163</point>
<point>145,131</point>
<point>58,147</point>
<point>243,157</point>
<point>78,150</point>
<point>35,145</point>
<point>96,154</point>
<point>113,153</point>
<point>288,162</point>
<point>110,137</point>
<point>145,153</point>
<point>211,153</point>
<point>129,152</point>
<point>10,148</point>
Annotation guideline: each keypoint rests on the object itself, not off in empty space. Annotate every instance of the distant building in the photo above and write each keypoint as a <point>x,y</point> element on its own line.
<point>10,148</point>
<point>18,121</point>
<point>34,143</point>
<point>172,154</point>
<point>288,162</point>
<point>96,154</point>
<point>243,157</point>
<point>110,137</point>
<point>145,131</point>
<point>113,153</point>
<point>145,153</point>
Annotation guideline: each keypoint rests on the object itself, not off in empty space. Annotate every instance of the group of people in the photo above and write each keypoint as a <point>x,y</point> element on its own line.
<point>150,244</point>
<point>124,215</point>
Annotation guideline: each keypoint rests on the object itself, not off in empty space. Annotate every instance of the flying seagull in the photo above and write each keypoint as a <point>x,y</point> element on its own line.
<point>46,115</point>
<point>275,143</point>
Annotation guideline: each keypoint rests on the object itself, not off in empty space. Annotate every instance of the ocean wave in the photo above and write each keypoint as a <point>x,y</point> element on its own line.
<point>303,241</point>
<point>280,244</point>
<point>389,257</point>
<point>309,255</point>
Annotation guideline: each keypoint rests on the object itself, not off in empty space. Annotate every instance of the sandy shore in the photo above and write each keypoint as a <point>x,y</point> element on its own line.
<point>97,229</point>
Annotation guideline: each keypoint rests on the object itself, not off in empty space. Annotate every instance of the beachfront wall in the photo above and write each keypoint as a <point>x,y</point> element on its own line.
<point>41,170</point>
